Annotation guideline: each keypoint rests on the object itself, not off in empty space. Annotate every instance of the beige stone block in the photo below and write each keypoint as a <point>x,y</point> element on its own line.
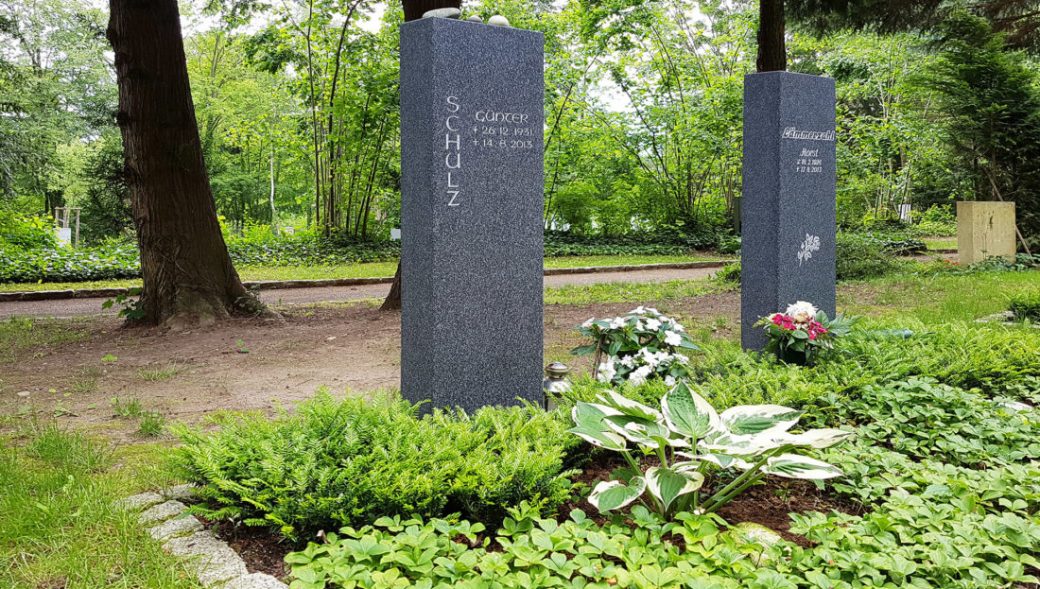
<point>985,230</point>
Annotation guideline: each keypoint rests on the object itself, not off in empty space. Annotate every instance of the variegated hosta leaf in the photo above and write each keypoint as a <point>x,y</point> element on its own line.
<point>589,426</point>
<point>793,466</point>
<point>756,419</point>
<point>629,407</point>
<point>641,431</point>
<point>814,438</point>
<point>610,495</point>
<point>667,485</point>
<point>688,413</point>
<point>740,445</point>
<point>726,461</point>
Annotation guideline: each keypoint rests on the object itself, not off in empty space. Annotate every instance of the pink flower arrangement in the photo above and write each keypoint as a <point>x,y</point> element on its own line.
<point>801,331</point>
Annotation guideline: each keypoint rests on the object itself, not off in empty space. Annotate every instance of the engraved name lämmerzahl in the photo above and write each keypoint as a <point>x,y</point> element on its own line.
<point>796,133</point>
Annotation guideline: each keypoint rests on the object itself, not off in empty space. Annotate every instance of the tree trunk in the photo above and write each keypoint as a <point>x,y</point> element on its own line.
<point>413,10</point>
<point>772,48</point>
<point>187,272</point>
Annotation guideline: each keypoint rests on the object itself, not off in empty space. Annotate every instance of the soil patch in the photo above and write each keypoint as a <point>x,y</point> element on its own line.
<point>258,365</point>
<point>262,550</point>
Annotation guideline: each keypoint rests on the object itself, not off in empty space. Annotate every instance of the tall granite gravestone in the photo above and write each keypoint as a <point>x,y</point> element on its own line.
<point>472,116</point>
<point>788,209</point>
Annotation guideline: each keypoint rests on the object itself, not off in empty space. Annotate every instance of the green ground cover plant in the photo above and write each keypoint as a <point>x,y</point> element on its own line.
<point>335,463</point>
<point>924,419</point>
<point>925,523</point>
<point>58,525</point>
<point>306,256</point>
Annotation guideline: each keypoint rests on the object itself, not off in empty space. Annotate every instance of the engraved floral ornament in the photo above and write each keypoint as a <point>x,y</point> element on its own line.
<point>810,245</point>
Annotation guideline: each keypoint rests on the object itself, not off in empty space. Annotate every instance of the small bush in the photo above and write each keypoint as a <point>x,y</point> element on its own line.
<point>351,462</point>
<point>1026,306</point>
<point>862,256</point>
<point>19,232</point>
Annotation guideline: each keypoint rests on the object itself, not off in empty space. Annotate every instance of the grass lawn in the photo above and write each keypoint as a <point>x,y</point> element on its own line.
<point>940,243</point>
<point>369,270</point>
<point>58,527</point>
<point>939,298</point>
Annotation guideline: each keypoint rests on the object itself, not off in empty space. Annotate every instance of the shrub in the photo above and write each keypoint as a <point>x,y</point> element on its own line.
<point>17,231</point>
<point>861,256</point>
<point>351,462</point>
<point>109,261</point>
<point>1026,306</point>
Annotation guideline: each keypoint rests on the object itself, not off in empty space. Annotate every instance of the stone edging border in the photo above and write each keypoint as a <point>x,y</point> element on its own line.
<point>211,560</point>
<point>92,293</point>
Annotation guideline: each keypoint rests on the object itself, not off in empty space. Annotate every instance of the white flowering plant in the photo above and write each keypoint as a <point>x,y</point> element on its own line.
<point>637,347</point>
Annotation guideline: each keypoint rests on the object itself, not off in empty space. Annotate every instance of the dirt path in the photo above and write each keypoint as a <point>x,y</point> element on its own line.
<point>254,364</point>
<point>298,296</point>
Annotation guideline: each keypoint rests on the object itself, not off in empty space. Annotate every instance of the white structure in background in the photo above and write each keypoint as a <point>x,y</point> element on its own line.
<point>66,221</point>
<point>395,234</point>
<point>905,211</point>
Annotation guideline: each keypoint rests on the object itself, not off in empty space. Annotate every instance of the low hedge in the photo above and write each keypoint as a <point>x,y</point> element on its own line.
<point>349,462</point>
<point>120,259</point>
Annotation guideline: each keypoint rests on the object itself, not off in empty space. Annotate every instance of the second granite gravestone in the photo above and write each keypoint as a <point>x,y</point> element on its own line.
<point>788,207</point>
<point>472,116</point>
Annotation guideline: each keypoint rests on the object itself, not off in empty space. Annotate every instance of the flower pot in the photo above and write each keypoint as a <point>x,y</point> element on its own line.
<point>789,356</point>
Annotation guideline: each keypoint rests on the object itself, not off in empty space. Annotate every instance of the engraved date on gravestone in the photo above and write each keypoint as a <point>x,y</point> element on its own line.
<point>488,129</point>
<point>808,160</point>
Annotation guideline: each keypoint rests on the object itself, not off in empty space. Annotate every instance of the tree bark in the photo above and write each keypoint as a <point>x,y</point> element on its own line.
<point>772,47</point>
<point>413,10</point>
<point>187,272</point>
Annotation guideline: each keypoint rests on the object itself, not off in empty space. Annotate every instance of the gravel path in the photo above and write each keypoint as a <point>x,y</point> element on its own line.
<point>303,296</point>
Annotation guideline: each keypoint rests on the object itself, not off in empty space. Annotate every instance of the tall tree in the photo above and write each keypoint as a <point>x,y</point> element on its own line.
<point>187,272</point>
<point>413,10</point>
<point>772,27</point>
<point>1018,20</point>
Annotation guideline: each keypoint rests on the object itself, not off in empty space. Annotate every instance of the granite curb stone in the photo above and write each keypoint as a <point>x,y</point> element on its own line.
<point>178,526</point>
<point>213,561</point>
<point>139,501</point>
<point>256,581</point>
<point>161,512</point>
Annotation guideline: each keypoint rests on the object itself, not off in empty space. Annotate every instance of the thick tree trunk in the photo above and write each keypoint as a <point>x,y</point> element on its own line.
<point>187,272</point>
<point>772,48</point>
<point>413,10</point>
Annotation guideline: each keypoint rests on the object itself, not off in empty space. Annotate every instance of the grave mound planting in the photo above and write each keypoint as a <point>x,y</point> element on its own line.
<point>940,482</point>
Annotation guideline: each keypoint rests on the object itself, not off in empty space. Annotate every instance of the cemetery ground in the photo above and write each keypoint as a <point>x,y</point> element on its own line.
<point>947,493</point>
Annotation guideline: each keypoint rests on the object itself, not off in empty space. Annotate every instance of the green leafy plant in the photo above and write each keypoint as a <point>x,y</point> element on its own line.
<point>1026,306</point>
<point>127,408</point>
<point>152,424</point>
<point>923,418</point>
<point>690,442</point>
<point>529,552</point>
<point>129,306</point>
<point>638,346</point>
<point>335,463</point>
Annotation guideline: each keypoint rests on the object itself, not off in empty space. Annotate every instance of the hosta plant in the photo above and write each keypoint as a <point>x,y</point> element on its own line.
<point>636,347</point>
<point>692,442</point>
<point>801,332</point>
